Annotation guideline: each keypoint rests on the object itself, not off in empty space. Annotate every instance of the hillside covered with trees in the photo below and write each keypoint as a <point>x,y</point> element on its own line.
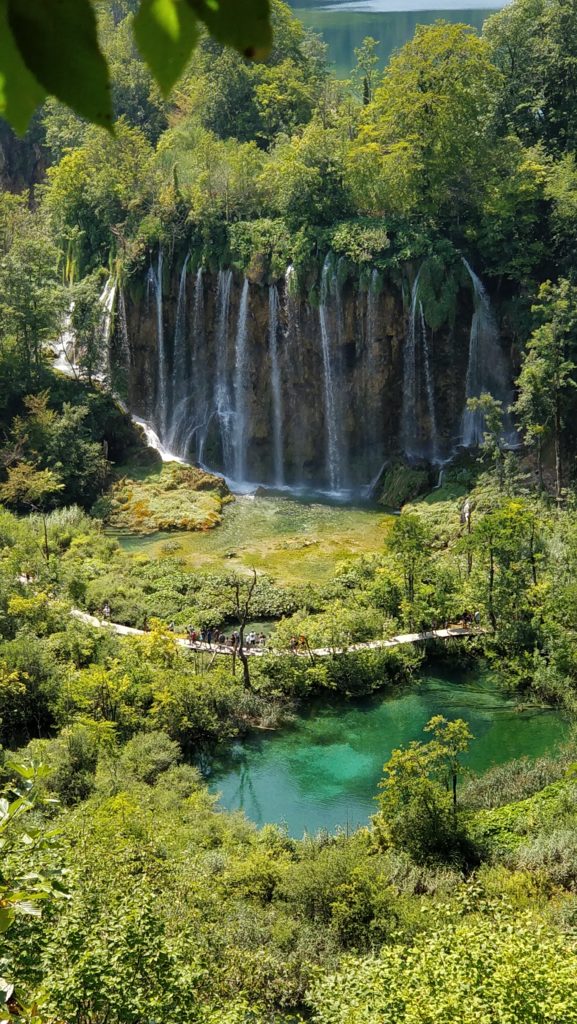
<point>126,893</point>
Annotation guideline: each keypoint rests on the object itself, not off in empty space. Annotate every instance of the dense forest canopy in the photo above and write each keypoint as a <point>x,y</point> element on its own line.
<point>125,894</point>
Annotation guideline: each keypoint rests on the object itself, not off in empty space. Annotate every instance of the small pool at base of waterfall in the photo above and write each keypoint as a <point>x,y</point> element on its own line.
<point>322,772</point>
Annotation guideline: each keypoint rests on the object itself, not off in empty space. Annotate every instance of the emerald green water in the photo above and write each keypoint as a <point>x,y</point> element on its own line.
<point>343,24</point>
<point>323,772</point>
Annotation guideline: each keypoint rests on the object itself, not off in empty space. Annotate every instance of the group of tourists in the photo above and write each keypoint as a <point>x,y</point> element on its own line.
<point>213,637</point>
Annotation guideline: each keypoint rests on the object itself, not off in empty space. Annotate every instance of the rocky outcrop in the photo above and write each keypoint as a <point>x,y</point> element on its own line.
<point>23,162</point>
<point>367,333</point>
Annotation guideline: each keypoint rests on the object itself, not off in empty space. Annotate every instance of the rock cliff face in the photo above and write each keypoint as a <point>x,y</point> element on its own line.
<point>23,162</point>
<point>256,382</point>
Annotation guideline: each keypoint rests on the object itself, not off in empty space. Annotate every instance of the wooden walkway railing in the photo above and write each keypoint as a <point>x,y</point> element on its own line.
<point>449,633</point>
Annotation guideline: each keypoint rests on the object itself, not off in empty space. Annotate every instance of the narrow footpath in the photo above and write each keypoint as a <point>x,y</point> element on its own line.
<point>451,632</point>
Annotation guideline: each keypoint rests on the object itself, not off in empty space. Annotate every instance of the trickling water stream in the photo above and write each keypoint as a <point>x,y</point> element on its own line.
<point>419,418</point>
<point>409,410</point>
<point>332,444</point>
<point>485,370</point>
<point>433,439</point>
<point>223,405</point>
<point>239,439</point>
<point>107,299</point>
<point>162,401</point>
<point>276,385</point>
<point>180,369</point>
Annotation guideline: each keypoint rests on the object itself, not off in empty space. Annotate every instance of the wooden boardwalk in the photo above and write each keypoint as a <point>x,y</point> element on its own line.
<point>451,632</point>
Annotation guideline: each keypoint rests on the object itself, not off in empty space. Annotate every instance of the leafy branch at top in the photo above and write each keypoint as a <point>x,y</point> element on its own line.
<point>50,47</point>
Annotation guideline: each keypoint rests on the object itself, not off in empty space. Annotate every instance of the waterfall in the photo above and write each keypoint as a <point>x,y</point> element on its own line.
<point>369,391</point>
<point>106,300</point>
<point>179,358</point>
<point>293,354</point>
<point>240,387</point>
<point>372,309</point>
<point>331,426</point>
<point>222,398</point>
<point>434,445</point>
<point>276,385</point>
<point>200,376</point>
<point>123,327</point>
<point>420,438</point>
<point>180,397</point>
<point>162,399</point>
<point>409,408</point>
<point>486,366</point>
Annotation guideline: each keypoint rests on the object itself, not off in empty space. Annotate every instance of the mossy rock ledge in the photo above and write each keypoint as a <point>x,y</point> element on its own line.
<point>163,498</point>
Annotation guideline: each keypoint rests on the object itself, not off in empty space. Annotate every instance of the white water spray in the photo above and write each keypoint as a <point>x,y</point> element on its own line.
<point>486,369</point>
<point>276,385</point>
<point>155,280</point>
<point>331,428</point>
<point>240,386</point>
<point>222,400</point>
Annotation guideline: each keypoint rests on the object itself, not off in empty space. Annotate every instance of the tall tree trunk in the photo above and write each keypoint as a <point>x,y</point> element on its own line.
<point>532,555</point>
<point>558,465</point>
<point>491,588</point>
<point>243,658</point>
<point>540,463</point>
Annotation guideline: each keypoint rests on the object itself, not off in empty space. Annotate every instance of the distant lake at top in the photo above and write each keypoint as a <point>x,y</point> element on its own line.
<point>344,24</point>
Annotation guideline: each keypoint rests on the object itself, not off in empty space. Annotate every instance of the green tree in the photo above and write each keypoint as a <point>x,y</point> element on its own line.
<point>32,301</point>
<point>410,541</point>
<point>435,105</point>
<point>492,447</point>
<point>28,487</point>
<point>367,68</point>
<point>56,443</point>
<point>547,382</point>
<point>86,322</point>
<point>500,968</point>
<point>23,890</point>
<point>418,798</point>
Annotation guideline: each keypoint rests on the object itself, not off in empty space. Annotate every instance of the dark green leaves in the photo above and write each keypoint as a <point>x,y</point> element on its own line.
<point>20,93</point>
<point>165,31</point>
<point>51,47</point>
<point>59,45</point>
<point>244,25</point>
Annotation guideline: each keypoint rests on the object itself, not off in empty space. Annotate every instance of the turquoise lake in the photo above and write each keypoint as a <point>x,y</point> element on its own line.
<point>343,25</point>
<point>323,771</point>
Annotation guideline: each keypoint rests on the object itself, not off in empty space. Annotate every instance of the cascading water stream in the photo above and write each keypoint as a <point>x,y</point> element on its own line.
<point>240,387</point>
<point>200,378</point>
<point>222,401</point>
<point>276,385</point>
<point>123,328</point>
<point>434,442</point>
<point>180,372</point>
<point>486,371</point>
<point>331,428</point>
<point>372,309</point>
<point>162,399</point>
<point>107,297</point>
<point>409,407</point>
